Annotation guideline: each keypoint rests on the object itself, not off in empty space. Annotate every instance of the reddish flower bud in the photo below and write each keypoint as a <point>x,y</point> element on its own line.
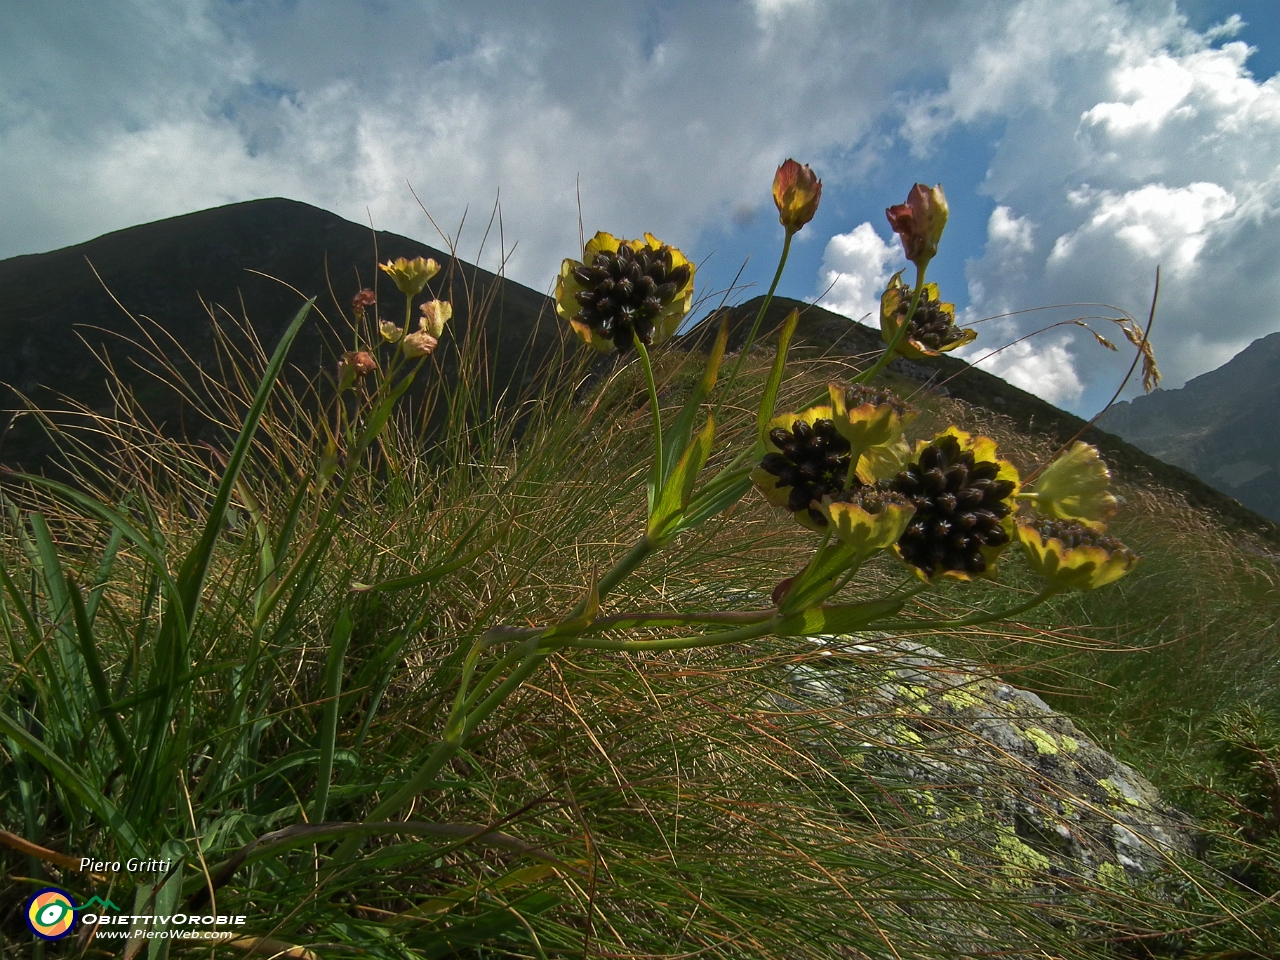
<point>353,365</point>
<point>363,301</point>
<point>796,191</point>
<point>919,222</point>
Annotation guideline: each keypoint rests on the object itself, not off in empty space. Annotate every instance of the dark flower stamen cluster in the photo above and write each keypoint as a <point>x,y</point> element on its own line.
<point>626,290</point>
<point>859,394</point>
<point>813,462</point>
<point>959,508</point>
<point>1072,534</point>
<point>931,326</point>
<point>873,500</point>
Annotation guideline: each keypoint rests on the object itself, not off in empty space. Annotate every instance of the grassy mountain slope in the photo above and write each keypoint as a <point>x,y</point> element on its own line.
<point>823,333</point>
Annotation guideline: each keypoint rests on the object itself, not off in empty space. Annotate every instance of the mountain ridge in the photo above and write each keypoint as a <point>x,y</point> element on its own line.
<point>169,270</point>
<point>57,307</point>
<point>1223,426</point>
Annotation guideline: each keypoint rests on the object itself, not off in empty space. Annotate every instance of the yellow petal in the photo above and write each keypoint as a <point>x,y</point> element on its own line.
<point>867,531</point>
<point>1076,486</point>
<point>884,462</point>
<point>1084,567</point>
<point>601,243</point>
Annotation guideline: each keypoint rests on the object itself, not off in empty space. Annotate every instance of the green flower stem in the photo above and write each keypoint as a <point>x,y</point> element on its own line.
<point>892,347</point>
<point>490,677</point>
<point>655,485</point>
<point>628,621</point>
<point>676,643</point>
<point>755,327</point>
<point>618,572</point>
<point>973,619</point>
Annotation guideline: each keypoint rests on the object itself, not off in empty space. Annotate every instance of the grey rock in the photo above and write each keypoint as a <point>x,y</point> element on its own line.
<point>990,765</point>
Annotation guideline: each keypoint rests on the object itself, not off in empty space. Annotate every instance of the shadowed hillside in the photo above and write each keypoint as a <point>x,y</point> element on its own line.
<point>169,270</point>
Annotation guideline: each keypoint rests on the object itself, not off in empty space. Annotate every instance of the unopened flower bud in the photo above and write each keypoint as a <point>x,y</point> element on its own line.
<point>1076,486</point>
<point>353,365</point>
<point>796,191</point>
<point>435,314</point>
<point>362,301</point>
<point>919,222</point>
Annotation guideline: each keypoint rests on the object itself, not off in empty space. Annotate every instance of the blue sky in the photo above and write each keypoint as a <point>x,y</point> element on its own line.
<point>1080,142</point>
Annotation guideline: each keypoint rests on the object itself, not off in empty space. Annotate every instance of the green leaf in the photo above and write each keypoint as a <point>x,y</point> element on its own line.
<point>329,722</point>
<point>665,521</point>
<point>772,385</point>
<point>677,438</point>
<point>166,898</point>
<point>840,618</point>
<point>716,497</point>
<point>818,579</point>
<point>191,575</point>
<point>71,781</point>
<point>59,611</point>
<point>97,677</point>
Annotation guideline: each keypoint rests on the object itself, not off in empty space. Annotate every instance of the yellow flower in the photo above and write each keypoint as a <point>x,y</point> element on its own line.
<point>933,326</point>
<point>963,497</point>
<point>435,314</point>
<point>623,289</point>
<point>391,332</point>
<point>919,222</point>
<point>796,192</point>
<point>868,519</point>
<point>418,344</point>
<point>410,276</point>
<point>1071,556</point>
<point>867,416</point>
<point>1075,487</point>
<point>807,460</point>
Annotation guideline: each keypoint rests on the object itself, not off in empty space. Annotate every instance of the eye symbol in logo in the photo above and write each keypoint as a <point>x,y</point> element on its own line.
<point>51,914</point>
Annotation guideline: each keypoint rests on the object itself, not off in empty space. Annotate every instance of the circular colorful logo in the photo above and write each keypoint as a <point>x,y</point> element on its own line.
<point>51,914</point>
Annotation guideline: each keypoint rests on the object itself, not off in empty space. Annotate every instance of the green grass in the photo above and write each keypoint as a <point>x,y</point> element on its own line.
<point>636,804</point>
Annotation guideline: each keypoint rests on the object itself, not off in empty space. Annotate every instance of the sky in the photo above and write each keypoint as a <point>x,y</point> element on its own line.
<point>1081,144</point>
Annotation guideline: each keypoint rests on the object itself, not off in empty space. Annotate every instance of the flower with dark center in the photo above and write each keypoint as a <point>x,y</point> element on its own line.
<point>963,498</point>
<point>807,460</point>
<point>867,417</point>
<point>933,326</point>
<point>623,289</point>
<point>1072,556</point>
<point>868,518</point>
<point>1075,487</point>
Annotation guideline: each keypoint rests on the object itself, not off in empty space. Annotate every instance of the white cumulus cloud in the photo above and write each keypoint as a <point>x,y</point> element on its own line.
<point>1136,143</point>
<point>855,268</point>
<point>1046,369</point>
